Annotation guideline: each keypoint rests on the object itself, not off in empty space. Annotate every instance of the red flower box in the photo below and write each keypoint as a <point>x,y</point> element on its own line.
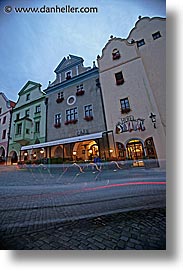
<point>80,92</point>
<point>74,121</point>
<point>119,82</point>
<point>116,56</point>
<point>59,100</point>
<point>125,111</point>
<point>88,118</point>
<point>57,125</point>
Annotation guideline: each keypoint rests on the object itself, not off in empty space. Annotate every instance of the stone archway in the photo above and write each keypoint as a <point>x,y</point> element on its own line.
<point>135,152</point>
<point>14,157</point>
<point>85,150</point>
<point>2,155</point>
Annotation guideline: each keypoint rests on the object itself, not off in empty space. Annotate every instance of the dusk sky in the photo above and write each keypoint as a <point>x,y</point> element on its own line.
<point>33,44</point>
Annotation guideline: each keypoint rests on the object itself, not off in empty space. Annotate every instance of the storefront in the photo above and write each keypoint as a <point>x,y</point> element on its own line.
<point>78,149</point>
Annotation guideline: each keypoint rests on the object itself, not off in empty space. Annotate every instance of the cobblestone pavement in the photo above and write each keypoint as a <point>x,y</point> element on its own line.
<point>135,230</point>
<point>63,209</point>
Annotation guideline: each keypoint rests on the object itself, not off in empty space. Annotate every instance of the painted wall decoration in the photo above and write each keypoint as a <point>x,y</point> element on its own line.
<point>129,124</point>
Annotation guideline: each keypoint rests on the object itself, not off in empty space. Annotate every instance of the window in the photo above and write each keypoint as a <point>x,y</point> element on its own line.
<point>0,110</point>
<point>140,43</point>
<point>27,131</point>
<point>4,119</point>
<point>60,94</point>
<point>119,78</point>
<point>156,35</point>
<point>68,75</point>
<point>58,119</point>
<point>88,111</point>
<point>37,126</point>
<point>115,54</point>
<point>72,114</point>
<point>38,109</point>
<point>4,134</point>
<point>125,105</point>
<point>27,112</point>
<point>27,97</point>
<point>80,90</point>
<point>18,116</point>
<point>80,87</point>
<point>19,129</point>
<point>60,97</point>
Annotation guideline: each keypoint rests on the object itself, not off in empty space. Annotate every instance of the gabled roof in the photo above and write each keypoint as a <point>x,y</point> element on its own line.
<point>69,62</point>
<point>9,103</point>
<point>30,85</point>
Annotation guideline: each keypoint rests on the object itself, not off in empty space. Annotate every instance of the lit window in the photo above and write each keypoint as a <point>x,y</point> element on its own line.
<point>140,43</point>
<point>125,105</point>
<point>156,35</point>
<point>119,78</point>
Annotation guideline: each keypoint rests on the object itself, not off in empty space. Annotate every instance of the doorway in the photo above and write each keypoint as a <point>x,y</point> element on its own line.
<point>135,152</point>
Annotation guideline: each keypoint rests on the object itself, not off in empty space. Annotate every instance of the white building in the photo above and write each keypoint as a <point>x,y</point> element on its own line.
<point>132,77</point>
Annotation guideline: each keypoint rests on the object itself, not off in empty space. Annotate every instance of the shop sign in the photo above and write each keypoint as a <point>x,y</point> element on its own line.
<point>129,124</point>
<point>80,132</point>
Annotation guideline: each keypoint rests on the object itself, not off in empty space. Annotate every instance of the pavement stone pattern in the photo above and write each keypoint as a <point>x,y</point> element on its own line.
<point>135,230</point>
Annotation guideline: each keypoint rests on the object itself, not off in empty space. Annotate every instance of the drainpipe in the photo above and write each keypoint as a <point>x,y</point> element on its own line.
<point>7,149</point>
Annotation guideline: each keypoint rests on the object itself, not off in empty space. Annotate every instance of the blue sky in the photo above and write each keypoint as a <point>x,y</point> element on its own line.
<point>32,45</point>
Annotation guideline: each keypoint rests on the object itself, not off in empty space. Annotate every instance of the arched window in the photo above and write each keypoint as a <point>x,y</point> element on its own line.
<point>115,54</point>
<point>121,153</point>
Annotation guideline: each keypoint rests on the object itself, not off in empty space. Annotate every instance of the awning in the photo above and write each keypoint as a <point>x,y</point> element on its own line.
<point>62,141</point>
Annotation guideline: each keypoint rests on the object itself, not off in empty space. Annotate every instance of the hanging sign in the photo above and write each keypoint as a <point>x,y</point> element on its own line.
<point>129,124</point>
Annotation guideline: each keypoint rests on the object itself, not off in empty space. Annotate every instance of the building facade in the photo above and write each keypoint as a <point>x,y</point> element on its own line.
<point>75,117</point>
<point>28,123</point>
<point>6,107</point>
<point>132,76</point>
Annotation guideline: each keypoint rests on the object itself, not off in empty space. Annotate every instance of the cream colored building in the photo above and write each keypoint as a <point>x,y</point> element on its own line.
<point>132,77</point>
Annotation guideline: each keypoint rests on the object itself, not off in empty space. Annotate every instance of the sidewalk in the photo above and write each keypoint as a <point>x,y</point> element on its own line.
<point>138,230</point>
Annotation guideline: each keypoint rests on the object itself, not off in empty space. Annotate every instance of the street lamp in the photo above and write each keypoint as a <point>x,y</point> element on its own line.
<point>42,151</point>
<point>153,119</point>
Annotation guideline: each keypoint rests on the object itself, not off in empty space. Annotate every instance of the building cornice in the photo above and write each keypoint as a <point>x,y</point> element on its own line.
<point>73,81</point>
<point>145,19</point>
<point>32,103</point>
<point>120,64</point>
